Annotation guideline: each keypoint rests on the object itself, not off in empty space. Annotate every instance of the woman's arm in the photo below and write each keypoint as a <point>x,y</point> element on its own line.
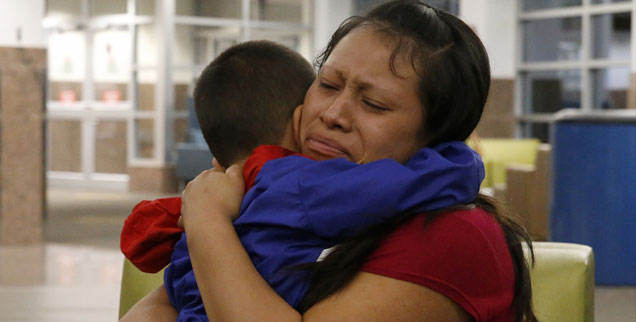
<point>153,307</point>
<point>372,297</point>
<point>232,289</point>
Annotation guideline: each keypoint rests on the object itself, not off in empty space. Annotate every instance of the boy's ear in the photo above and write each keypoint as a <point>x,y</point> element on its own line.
<point>298,112</point>
<point>216,164</point>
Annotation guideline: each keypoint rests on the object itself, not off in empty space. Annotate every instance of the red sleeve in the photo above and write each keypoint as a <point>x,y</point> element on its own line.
<point>461,254</point>
<point>150,233</point>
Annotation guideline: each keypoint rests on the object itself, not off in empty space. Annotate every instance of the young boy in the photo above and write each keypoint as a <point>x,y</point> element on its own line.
<point>243,99</point>
<point>286,221</point>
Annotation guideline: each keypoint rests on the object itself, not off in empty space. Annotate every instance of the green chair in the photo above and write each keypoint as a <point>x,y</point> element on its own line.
<point>497,154</point>
<point>135,284</point>
<point>562,283</point>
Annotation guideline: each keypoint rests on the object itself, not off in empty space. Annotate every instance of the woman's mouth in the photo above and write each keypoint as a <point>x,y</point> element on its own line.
<point>325,147</point>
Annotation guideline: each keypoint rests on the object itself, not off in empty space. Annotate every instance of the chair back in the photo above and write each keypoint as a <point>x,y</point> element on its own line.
<point>497,154</point>
<point>563,282</point>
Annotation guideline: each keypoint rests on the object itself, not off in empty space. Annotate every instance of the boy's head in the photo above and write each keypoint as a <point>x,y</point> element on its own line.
<point>247,95</point>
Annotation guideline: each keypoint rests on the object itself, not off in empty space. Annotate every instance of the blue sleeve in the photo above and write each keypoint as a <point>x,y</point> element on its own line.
<point>336,198</point>
<point>340,203</point>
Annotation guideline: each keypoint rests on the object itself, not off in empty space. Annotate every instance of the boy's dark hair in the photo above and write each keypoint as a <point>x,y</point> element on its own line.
<point>247,95</point>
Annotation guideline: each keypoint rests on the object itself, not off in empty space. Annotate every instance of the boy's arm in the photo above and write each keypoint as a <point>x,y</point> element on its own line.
<point>341,204</point>
<point>150,233</point>
<point>338,198</point>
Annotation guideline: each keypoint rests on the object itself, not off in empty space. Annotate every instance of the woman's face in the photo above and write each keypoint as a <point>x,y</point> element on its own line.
<point>357,108</point>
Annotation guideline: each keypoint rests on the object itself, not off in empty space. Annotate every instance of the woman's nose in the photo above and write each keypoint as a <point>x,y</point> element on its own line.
<point>337,115</point>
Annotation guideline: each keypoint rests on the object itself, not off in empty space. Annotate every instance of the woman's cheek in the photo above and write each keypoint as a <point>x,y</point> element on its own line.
<point>312,112</point>
<point>311,107</point>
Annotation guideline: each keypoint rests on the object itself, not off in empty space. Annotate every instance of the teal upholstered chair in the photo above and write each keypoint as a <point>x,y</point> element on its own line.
<point>562,282</point>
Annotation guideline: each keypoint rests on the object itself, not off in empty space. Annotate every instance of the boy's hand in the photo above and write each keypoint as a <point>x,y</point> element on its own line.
<point>213,193</point>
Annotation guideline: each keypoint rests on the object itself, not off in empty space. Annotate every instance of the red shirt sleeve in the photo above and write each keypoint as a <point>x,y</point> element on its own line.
<point>461,254</point>
<point>259,157</point>
<point>150,233</point>
<point>151,230</point>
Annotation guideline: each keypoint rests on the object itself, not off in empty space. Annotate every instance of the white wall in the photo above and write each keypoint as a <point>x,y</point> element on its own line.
<point>493,20</point>
<point>328,15</point>
<point>21,23</point>
<point>495,23</point>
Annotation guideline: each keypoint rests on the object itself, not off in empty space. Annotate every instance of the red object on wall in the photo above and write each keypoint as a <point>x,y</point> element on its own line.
<point>67,96</point>
<point>111,96</point>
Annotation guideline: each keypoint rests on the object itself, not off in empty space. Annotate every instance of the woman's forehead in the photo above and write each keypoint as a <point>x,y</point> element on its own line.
<point>366,61</point>
<point>368,43</point>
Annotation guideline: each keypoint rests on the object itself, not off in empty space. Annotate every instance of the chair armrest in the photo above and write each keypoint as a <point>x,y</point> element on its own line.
<point>563,282</point>
<point>135,284</point>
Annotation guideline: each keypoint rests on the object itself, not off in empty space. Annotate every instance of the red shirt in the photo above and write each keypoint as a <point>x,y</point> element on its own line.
<point>151,230</point>
<point>461,254</point>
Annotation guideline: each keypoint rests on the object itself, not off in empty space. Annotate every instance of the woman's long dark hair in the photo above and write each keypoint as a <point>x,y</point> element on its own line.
<point>454,79</point>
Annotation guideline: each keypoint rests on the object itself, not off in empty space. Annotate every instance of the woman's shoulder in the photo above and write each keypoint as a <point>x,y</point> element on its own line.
<point>471,219</point>
<point>460,231</point>
<point>461,253</point>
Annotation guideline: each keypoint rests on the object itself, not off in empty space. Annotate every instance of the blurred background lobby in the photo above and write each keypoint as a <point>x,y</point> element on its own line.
<point>96,114</point>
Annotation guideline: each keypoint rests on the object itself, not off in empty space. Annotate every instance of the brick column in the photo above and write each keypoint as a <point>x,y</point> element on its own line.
<point>153,179</point>
<point>22,188</point>
<point>498,119</point>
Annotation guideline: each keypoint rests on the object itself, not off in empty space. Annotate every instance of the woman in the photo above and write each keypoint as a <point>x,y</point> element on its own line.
<point>400,78</point>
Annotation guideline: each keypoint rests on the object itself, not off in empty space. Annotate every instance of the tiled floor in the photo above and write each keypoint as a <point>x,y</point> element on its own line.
<point>75,275</point>
<point>56,282</point>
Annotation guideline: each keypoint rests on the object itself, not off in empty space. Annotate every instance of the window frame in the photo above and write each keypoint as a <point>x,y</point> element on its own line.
<point>89,110</point>
<point>586,65</point>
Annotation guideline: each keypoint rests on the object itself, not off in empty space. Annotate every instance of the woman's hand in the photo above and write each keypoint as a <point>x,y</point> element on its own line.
<point>230,286</point>
<point>213,194</point>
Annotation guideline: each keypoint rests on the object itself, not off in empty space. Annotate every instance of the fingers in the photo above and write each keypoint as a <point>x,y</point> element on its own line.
<point>235,168</point>
<point>213,192</point>
<point>235,172</point>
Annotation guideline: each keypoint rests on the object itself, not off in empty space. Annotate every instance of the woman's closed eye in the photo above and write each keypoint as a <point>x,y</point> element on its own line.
<point>326,85</point>
<point>375,106</point>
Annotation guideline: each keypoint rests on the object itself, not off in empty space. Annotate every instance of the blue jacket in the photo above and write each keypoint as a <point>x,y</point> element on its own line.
<point>298,208</point>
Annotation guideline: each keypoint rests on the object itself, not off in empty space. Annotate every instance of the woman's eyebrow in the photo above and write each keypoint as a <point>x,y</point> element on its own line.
<point>361,84</point>
<point>332,70</point>
<point>364,85</point>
